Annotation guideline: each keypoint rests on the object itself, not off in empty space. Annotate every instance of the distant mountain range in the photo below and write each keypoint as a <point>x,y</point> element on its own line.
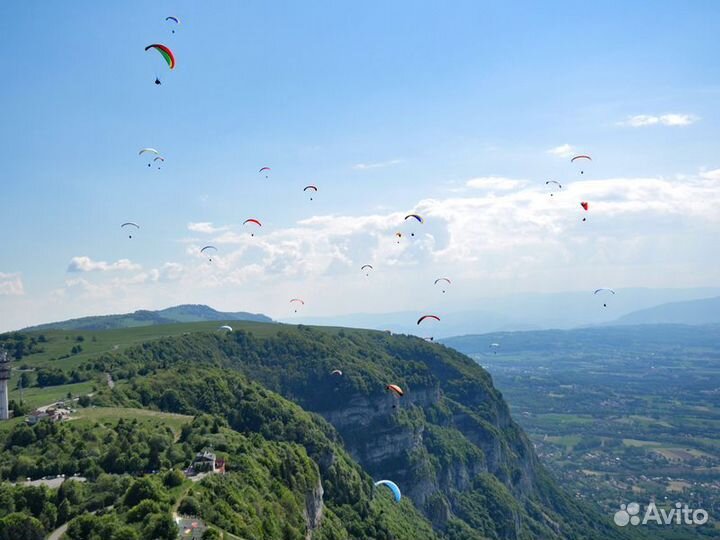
<point>177,314</point>
<point>542,311</point>
<point>705,311</point>
<point>519,312</point>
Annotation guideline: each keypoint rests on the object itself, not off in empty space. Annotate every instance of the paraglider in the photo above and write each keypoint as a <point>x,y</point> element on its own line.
<point>416,217</point>
<point>149,151</point>
<point>336,372</point>
<point>393,487</point>
<point>311,188</point>
<point>254,222</point>
<point>398,235</point>
<point>167,55</point>
<point>174,21</point>
<point>130,224</point>
<point>210,249</point>
<point>226,327</point>
<point>425,317</point>
<point>397,393</point>
<point>581,158</point>
<point>160,159</point>
<point>444,279</point>
<point>265,170</point>
<point>585,206</point>
<point>495,347</point>
<point>604,291</point>
<point>558,184</point>
<point>297,302</point>
<point>368,266</point>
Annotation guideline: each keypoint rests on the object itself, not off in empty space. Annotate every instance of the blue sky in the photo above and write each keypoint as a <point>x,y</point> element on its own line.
<point>388,108</point>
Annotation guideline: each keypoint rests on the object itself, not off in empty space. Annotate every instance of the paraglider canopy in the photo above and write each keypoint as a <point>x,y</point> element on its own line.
<point>336,372</point>
<point>414,216</point>
<point>395,389</point>
<point>393,487</point>
<point>425,317</point>
<point>226,327</point>
<point>166,53</point>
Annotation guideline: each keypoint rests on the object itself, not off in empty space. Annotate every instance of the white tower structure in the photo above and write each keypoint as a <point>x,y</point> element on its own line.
<point>4,377</point>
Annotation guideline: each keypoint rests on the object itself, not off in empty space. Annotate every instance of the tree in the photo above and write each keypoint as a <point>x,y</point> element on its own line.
<point>189,506</point>
<point>173,478</point>
<point>211,534</point>
<point>160,527</point>
<point>140,490</point>
<point>21,527</point>
<point>25,380</point>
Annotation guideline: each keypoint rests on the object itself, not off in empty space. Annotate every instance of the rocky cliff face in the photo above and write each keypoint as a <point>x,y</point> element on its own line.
<point>376,435</point>
<point>314,509</point>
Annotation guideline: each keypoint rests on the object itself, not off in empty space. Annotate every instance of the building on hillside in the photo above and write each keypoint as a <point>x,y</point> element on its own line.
<point>53,414</point>
<point>207,461</point>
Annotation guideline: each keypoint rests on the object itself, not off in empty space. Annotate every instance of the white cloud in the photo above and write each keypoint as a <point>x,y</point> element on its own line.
<point>505,228</point>
<point>204,227</point>
<point>489,240</point>
<point>494,183</point>
<point>672,119</point>
<point>86,264</point>
<point>11,285</point>
<point>563,151</point>
<point>377,165</point>
<point>713,174</point>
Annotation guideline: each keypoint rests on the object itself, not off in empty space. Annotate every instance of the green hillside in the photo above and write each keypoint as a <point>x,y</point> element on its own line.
<point>303,446</point>
<point>177,314</point>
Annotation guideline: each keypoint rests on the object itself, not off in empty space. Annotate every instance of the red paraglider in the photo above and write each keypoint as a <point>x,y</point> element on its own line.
<point>254,222</point>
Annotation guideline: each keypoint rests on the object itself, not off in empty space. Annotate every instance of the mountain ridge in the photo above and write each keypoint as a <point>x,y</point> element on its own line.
<point>144,317</point>
<point>692,312</point>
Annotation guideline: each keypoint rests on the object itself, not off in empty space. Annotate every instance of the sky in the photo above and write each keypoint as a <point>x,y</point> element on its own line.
<point>457,111</point>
